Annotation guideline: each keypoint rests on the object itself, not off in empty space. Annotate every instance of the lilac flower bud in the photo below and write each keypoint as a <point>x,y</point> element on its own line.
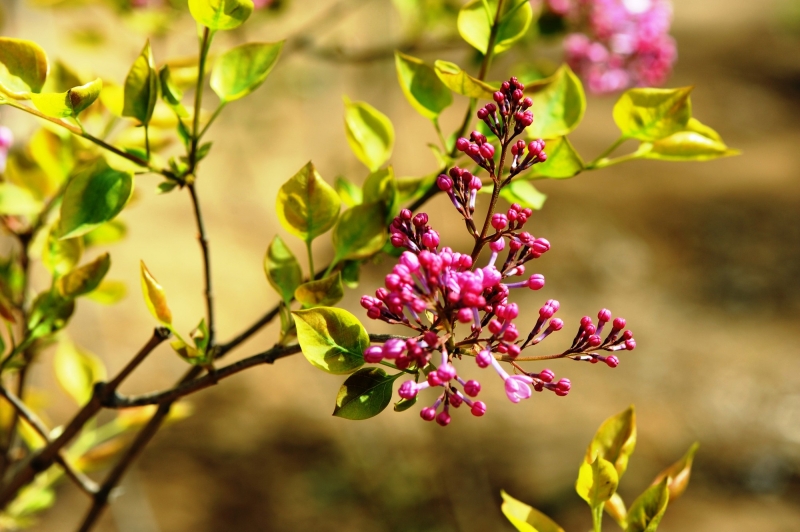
<point>408,390</point>
<point>627,335</point>
<point>564,385</point>
<point>499,221</point>
<point>512,311</point>
<point>494,325</point>
<point>554,303</point>
<point>428,413</point>
<point>430,338</point>
<point>473,150</point>
<point>630,345</point>
<point>536,281</point>
<point>464,315</point>
<point>510,334</point>
<point>499,97</point>
<point>487,150</point>
<point>546,312</point>
<point>478,137</point>
<point>586,321</point>
<point>455,172</point>
<point>535,147</point>
<point>492,108</point>
<point>455,400</point>
<point>590,329</point>
<point>373,354</point>
<point>393,348</point>
<point>475,182</point>
<point>595,340</point>
<point>527,102</point>
<point>367,302</point>
<point>482,113</point>
<point>398,240</point>
<point>444,183</point>
<point>478,408</point>
<point>374,313</point>
<point>405,214</point>
<point>612,361</point>
<point>517,95</point>
<point>430,239</point>
<point>484,359</point>
<point>497,245</point>
<point>556,324</point>
<point>443,419</point>
<point>513,350</point>
<point>462,144</point>
<point>433,379</point>
<point>547,375</point>
<point>619,324</point>
<point>472,388</point>
<point>541,245</point>
<point>420,219</point>
<point>604,315</point>
<point>446,372</point>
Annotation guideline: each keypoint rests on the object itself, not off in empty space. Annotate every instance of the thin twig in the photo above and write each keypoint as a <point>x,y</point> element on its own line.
<point>203,239</point>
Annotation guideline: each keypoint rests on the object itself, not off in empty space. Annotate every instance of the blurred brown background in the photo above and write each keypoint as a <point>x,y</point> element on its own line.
<point>703,259</point>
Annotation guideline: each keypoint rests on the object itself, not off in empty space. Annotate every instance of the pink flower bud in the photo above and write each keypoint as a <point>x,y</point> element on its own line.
<point>586,321</point>
<point>536,281</point>
<point>446,372</point>
<point>443,419</point>
<point>464,315</point>
<point>517,95</point>
<point>492,108</point>
<point>510,334</point>
<point>455,172</point>
<point>612,361</point>
<point>627,335</point>
<point>472,388</point>
<point>527,102</point>
<point>541,245</point>
<point>499,97</point>
<point>630,345</point>
<point>499,221</point>
<point>430,338</point>
<point>497,245</point>
<point>619,323</point>
<point>478,408</point>
<point>374,313</point>
<point>455,400</point>
<point>428,413</point>
<point>513,350</point>
<point>408,390</point>
<point>556,324</point>
<point>462,144</point>
<point>367,302</point>
<point>604,315</point>
<point>473,150</point>
<point>547,375</point>
<point>484,359</point>
<point>475,183</point>
<point>430,239</point>
<point>405,214</point>
<point>434,379</point>
<point>564,385</point>
<point>373,354</point>
<point>595,340</point>
<point>482,113</point>
<point>487,150</point>
<point>420,219</point>
<point>546,312</point>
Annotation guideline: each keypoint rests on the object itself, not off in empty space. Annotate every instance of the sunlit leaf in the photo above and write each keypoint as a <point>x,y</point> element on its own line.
<point>652,114</point>
<point>524,193</point>
<point>141,87</point>
<point>155,297</point>
<point>477,16</point>
<point>170,93</point>
<point>243,69</point>
<point>648,509</point>
<point>697,143</point>
<point>615,507</point>
<point>322,292</point>
<point>84,279</point>
<point>349,193</point>
<point>615,440</point>
<point>15,200</point>
<point>563,161</point>
<point>108,292</point>
<point>597,481</point>
<point>678,474</point>
<point>23,67</point>
<point>458,81</point>
<point>70,103</point>
<point>50,312</point>
<point>422,88</point>
<point>364,394</point>
<point>282,269</point>
<point>332,339</point>
<point>526,518</point>
<point>105,234</point>
<point>381,187</point>
<point>221,14</point>
<point>61,256</point>
<point>306,205</point>
<point>77,371</point>
<point>369,132</point>
<point>559,103</point>
<point>361,231</point>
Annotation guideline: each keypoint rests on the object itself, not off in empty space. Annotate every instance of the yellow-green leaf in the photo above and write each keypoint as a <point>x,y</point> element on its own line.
<point>563,161</point>
<point>171,93</point>
<point>369,132</point>
<point>221,14</point>
<point>306,205</point>
<point>108,292</point>
<point>615,507</point>
<point>381,186</point>
<point>322,292</point>
<point>422,88</point>
<point>61,256</point>
<point>476,17</point>
<point>615,440</point>
<point>559,103</point>
<point>141,87</point>
<point>460,82</point>
<point>84,279</point>
<point>77,371</point>
<point>648,509</point>
<point>243,69</point>
<point>361,231</point>
<point>105,234</point>
<point>349,193</point>
<point>70,103</point>
<point>697,142</point>
<point>15,200</point>
<point>23,67</point>
<point>282,269</point>
<point>332,339</point>
<point>597,481</point>
<point>678,474</point>
<point>653,114</point>
<point>526,518</point>
<point>155,297</point>
<point>524,193</point>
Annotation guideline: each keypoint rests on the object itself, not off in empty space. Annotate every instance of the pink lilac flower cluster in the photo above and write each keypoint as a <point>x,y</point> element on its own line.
<point>618,44</point>
<point>458,309</point>
<point>6,140</point>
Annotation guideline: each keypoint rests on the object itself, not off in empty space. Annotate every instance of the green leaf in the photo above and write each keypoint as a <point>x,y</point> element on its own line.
<point>369,132</point>
<point>155,297</point>
<point>597,481</point>
<point>282,269</point>
<point>332,339</point>
<point>17,201</point>
<point>243,69</point>
<point>221,14</point>
<point>421,86</point>
<point>83,280</point>
<point>678,474</point>
<point>411,188</point>
<point>361,231</point>
<point>525,518</point>
<point>615,507</point>
<point>50,312</point>
<point>307,206</point>
<point>322,292</point>
<point>615,440</point>
<point>108,293</point>
<point>475,23</point>
<point>381,186</point>
<point>652,114</point>
<point>350,273</point>
<point>697,143</point>
<point>558,104</point>
<point>171,93</point>
<point>61,256</point>
<point>364,394</point>
<point>524,193</point>
<point>141,87</point>
<point>94,195</point>
<point>648,509</point>
<point>460,82</point>
<point>404,404</point>
<point>70,103</point>
<point>349,193</point>
<point>55,155</point>
<point>105,234</point>
<point>200,336</point>
<point>77,371</point>
<point>23,67</point>
<point>563,161</point>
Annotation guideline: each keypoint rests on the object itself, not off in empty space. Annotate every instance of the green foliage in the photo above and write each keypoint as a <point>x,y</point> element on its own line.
<point>155,297</point>
<point>559,104</point>
<point>475,23</point>
<point>364,394</point>
<point>332,339</point>
<point>141,87</point>
<point>108,292</point>
<point>23,67</point>
<point>615,440</point>
<point>77,371</point>
<point>94,195</point>
<point>652,114</point>
<point>83,280</point>
<point>322,292</point>
<point>361,231</point>
<point>70,103</point>
<point>61,256</point>
<point>697,142</point>
<point>105,234</point>
<point>16,200</point>
<point>171,94</point>
<point>282,269</point>
<point>369,132</point>
<point>381,187</point>
<point>597,481</point>
<point>307,206</point>
<point>349,193</point>
<point>525,518</point>
<point>421,86</point>
<point>678,474</point>
<point>458,81</point>
<point>563,161</point>
<point>648,509</point>
<point>524,193</point>
<point>221,14</point>
<point>50,313</point>
<point>243,69</point>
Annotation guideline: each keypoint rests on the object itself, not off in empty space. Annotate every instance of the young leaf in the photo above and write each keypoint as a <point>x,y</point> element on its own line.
<point>307,206</point>
<point>562,160</point>
<point>350,194</point>
<point>332,339</point>
<point>221,14</point>
<point>381,186</point>
<point>615,440</point>
<point>558,104</point>
<point>369,132</point>
<point>105,234</point>
<point>404,404</point>
<point>323,292</point>
<point>364,394</point>
<point>350,273</point>
<point>648,509</point>
<point>282,269</point>
<point>155,297</point>
<point>678,474</point>
<point>83,280</point>
<point>77,371</point>
<point>50,313</point>
<point>421,87</point>
<point>108,293</point>
<point>652,114</point>
<point>526,518</point>
<point>460,82</point>
<point>475,23</point>
<point>697,143</point>
<point>171,93</point>
<point>70,103</point>
<point>524,193</point>
<point>16,201</point>
<point>95,194</point>
<point>141,87</point>
<point>615,507</point>
<point>23,67</point>
<point>243,69</point>
<point>597,481</point>
<point>361,231</point>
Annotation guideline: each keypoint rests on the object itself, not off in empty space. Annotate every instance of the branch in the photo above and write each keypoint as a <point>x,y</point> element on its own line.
<point>83,482</point>
<point>201,237</point>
